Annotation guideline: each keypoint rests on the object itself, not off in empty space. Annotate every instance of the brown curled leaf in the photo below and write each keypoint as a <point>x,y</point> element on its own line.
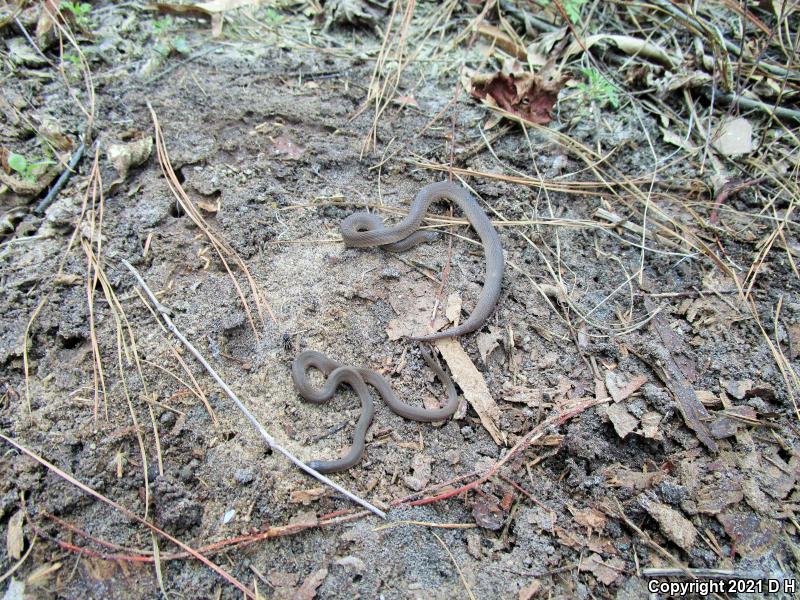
<point>529,96</point>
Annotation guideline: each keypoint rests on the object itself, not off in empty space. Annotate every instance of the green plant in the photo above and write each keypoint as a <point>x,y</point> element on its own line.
<point>162,25</point>
<point>598,89</point>
<point>272,16</point>
<point>79,10</point>
<point>573,9</point>
<point>166,44</point>
<point>71,58</point>
<point>25,169</point>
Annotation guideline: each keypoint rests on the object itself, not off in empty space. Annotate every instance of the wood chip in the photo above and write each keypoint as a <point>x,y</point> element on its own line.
<point>591,519</point>
<point>620,387</point>
<point>623,421</point>
<point>692,410</point>
<point>470,380</point>
<point>529,591</point>
<point>306,497</point>
<point>672,523</point>
<point>752,536</point>
<point>15,538</point>
<point>606,572</point>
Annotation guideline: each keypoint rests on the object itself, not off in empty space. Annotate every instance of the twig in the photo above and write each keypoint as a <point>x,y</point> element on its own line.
<point>165,315</point>
<point>744,102</point>
<point>62,180</point>
<point>178,65</point>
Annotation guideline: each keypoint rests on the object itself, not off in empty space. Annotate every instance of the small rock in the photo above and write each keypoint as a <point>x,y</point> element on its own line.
<point>186,474</point>
<point>167,419</point>
<point>244,476</point>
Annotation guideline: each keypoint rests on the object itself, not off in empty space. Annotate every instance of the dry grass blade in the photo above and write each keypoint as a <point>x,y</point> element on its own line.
<point>121,323</point>
<point>455,564</point>
<point>224,251</point>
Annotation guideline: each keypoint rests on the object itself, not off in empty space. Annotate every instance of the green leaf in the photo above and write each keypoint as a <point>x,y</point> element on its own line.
<point>180,45</point>
<point>18,162</point>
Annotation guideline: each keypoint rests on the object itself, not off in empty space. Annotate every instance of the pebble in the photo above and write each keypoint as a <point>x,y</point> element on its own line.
<point>186,474</point>
<point>244,476</point>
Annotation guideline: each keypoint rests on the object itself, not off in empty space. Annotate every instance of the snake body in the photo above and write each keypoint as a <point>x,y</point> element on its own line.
<point>364,230</point>
<point>358,378</point>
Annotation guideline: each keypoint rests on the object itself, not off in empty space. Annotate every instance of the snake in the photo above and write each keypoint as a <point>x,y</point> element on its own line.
<point>365,230</point>
<point>357,378</point>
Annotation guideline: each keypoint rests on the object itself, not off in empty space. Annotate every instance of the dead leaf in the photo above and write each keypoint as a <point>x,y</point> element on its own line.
<point>591,519</point>
<point>473,385</point>
<point>711,499</point>
<point>752,536</point>
<point>606,572</point>
<point>503,41</point>
<point>672,523</point>
<point>306,497</point>
<point>453,309</point>
<point>15,538</point>
<point>209,207</point>
<point>283,144</point>
<point>304,520</point>
<point>539,51</point>
<point>350,12</point>
<point>308,590</point>
<point>124,156</point>
<point>51,129</point>
<point>41,575</point>
<point>727,424</point>
<point>420,472</point>
<point>737,388</point>
<point>487,513</point>
<point>487,342</point>
<point>650,422</point>
<point>618,476</point>
<point>528,96</point>
<point>523,395</point>
<point>620,387</point>
<point>623,421</point>
<point>530,590</point>
<point>474,544</point>
<point>735,137</point>
<point>44,25</point>
<point>212,11</point>
<point>672,137</point>
<point>407,101</point>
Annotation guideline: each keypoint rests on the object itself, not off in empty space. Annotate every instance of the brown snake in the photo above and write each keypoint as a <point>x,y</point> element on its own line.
<point>357,378</point>
<point>362,230</point>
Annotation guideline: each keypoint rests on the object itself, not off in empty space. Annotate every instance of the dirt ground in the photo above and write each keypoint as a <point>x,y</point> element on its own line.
<point>641,364</point>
